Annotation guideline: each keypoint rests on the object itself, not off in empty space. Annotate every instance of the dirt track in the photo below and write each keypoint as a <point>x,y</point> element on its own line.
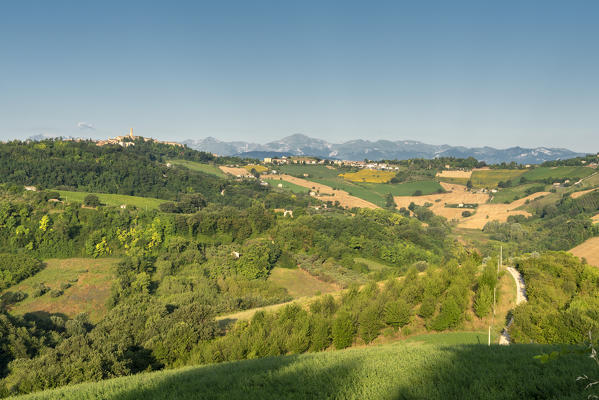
<point>505,339</point>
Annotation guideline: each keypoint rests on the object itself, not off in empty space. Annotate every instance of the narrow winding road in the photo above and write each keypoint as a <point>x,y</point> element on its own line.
<point>505,339</point>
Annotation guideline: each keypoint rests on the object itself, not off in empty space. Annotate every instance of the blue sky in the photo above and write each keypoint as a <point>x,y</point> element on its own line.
<point>463,73</point>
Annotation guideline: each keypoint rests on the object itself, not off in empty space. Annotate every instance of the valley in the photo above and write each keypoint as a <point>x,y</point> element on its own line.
<point>194,261</point>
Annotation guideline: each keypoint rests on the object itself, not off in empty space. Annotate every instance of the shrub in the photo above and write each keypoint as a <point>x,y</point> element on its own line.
<point>91,200</point>
<point>344,331</point>
<point>483,301</point>
<point>397,314</point>
<point>321,334</point>
<point>56,293</point>
<point>427,308</point>
<point>40,290</point>
<point>370,324</point>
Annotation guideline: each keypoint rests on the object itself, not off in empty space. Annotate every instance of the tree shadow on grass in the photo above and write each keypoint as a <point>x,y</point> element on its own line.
<point>290,377</point>
<point>402,371</point>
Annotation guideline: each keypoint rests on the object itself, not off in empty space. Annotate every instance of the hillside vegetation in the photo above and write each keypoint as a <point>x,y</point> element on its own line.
<point>218,274</point>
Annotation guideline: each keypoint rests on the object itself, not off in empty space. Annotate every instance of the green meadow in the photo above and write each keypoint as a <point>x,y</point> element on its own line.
<point>196,166</point>
<point>489,178</point>
<point>113,199</point>
<point>557,173</point>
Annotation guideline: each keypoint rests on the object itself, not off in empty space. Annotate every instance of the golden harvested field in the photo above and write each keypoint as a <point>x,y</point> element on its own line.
<point>497,212</point>
<point>235,171</point>
<point>589,250</point>
<point>369,175</point>
<point>326,193</point>
<point>456,194</point>
<point>90,279</point>
<point>576,195</point>
<point>259,168</point>
<point>454,174</point>
<point>595,219</point>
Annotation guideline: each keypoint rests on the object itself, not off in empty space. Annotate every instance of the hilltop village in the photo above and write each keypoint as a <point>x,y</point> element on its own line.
<point>129,140</point>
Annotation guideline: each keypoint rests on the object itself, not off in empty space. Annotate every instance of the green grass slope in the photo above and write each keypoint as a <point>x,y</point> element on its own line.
<point>113,199</point>
<point>196,166</point>
<point>396,371</point>
<point>558,173</point>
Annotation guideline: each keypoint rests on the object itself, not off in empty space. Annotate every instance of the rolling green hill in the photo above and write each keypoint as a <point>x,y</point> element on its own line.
<point>405,370</point>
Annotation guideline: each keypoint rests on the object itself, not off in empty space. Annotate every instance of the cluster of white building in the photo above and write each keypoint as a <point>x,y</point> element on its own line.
<point>346,163</point>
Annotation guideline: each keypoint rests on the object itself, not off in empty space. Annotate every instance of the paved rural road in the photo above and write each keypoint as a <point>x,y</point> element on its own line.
<point>505,339</point>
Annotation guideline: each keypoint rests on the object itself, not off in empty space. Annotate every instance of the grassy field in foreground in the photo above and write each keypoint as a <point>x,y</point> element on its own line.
<point>113,199</point>
<point>196,166</point>
<point>90,280</point>
<point>405,370</point>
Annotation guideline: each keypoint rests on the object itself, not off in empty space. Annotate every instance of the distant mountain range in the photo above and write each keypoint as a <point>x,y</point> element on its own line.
<point>379,150</point>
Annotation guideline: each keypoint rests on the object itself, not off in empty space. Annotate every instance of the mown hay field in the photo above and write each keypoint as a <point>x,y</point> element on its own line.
<point>235,171</point>
<point>369,175</point>
<point>113,199</point>
<point>404,370</point>
<point>455,194</point>
<point>589,250</point>
<point>90,280</point>
<point>497,212</point>
<point>454,174</point>
<point>576,195</point>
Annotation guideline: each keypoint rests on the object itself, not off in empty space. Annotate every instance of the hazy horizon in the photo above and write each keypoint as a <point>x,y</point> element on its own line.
<point>462,73</point>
